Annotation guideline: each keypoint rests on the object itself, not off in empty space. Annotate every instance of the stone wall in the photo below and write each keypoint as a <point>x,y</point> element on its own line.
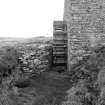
<point>38,60</point>
<point>86,26</point>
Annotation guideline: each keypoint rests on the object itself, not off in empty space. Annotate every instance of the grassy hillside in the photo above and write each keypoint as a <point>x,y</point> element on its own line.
<point>11,70</point>
<point>83,85</point>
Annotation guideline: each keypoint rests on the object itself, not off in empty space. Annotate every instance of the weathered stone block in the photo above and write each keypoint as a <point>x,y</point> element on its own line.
<point>86,24</point>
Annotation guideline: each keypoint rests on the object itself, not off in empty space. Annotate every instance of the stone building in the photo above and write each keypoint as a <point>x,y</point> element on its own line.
<point>85,27</point>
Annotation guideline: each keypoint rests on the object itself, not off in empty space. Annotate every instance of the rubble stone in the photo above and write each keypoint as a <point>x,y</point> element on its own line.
<point>38,60</point>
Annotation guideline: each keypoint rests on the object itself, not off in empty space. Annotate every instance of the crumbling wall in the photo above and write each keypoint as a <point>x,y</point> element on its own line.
<point>38,60</point>
<point>86,26</point>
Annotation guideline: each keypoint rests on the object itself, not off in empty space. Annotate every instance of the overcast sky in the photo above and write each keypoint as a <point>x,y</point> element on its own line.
<point>29,18</point>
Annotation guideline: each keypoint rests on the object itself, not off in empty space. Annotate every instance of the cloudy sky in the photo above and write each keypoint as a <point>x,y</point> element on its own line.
<point>29,18</point>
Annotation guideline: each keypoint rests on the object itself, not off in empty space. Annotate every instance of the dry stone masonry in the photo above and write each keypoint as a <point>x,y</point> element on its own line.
<point>37,60</point>
<point>86,27</point>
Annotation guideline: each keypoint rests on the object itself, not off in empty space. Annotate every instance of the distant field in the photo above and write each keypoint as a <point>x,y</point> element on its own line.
<point>17,41</point>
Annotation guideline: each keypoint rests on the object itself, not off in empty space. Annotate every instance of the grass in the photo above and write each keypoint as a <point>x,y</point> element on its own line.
<point>48,88</point>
